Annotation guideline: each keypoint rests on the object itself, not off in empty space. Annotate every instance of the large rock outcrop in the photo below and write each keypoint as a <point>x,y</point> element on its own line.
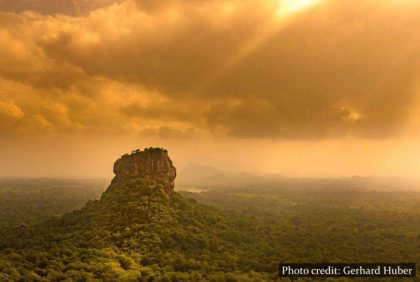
<point>152,163</point>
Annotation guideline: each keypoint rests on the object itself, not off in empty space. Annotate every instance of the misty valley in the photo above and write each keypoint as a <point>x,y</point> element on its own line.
<point>226,230</point>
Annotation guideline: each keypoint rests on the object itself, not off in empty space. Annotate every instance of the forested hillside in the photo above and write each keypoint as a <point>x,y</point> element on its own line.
<point>138,231</point>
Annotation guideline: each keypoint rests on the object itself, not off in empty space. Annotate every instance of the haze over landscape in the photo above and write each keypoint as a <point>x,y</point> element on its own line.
<point>209,140</point>
<point>298,88</point>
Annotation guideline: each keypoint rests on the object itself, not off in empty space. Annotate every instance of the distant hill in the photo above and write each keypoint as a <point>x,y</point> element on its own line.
<point>195,172</point>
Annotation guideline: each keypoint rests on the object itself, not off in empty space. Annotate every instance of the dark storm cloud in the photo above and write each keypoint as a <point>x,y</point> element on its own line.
<point>174,48</point>
<point>240,68</point>
<point>349,68</point>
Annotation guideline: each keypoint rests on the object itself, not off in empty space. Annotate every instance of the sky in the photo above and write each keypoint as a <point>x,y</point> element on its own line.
<point>315,88</point>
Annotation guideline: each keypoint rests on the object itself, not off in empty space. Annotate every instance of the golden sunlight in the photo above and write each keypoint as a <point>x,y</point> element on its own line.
<point>287,7</point>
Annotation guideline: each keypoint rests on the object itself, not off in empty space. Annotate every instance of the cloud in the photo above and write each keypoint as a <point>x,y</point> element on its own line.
<point>174,49</point>
<point>311,78</point>
<point>9,108</point>
<point>235,68</point>
<point>51,7</point>
<point>170,133</point>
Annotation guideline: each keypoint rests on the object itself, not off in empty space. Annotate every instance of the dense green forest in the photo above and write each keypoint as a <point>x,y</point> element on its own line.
<point>25,202</point>
<point>138,232</point>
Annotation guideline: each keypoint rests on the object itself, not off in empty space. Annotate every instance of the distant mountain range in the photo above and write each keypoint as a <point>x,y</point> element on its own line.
<point>199,176</point>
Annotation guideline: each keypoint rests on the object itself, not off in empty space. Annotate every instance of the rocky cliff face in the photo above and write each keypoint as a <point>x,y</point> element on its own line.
<point>152,163</point>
